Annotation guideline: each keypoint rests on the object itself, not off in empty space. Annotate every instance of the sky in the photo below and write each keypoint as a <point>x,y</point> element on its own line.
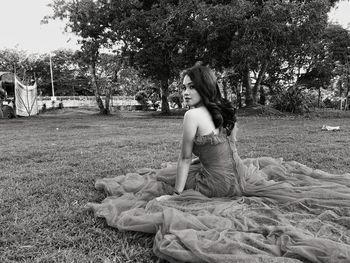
<point>340,14</point>
<point>20,26</point>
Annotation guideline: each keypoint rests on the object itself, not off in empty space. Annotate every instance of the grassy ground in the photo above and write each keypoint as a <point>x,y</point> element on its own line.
<point>49,164</point>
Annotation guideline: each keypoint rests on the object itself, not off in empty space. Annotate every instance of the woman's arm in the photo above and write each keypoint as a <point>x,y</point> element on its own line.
<point>185,158</point>
<point>233,135</point>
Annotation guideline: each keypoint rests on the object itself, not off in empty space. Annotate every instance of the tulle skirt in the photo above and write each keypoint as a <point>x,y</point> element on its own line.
<point>284,212</point>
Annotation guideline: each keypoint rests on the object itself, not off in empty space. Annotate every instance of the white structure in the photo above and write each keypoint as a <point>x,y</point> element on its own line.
<point>123,102</point>
<point>26,99</point>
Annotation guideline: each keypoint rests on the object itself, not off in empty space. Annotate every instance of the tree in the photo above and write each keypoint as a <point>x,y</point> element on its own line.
<point>88,19</point>
<point>160,37</point>
<point>339,50</point>
<point>154,37</point>
<point>68,74</point>
<point>254,36</point>
<point>19,62</point>
<point>328,61</point>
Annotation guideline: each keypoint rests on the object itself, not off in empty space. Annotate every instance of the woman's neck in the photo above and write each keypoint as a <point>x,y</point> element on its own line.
<point>198,105</point>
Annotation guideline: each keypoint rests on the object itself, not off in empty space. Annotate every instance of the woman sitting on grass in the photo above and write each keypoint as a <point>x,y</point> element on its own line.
<point>219,208</point>
<point>207,132</point>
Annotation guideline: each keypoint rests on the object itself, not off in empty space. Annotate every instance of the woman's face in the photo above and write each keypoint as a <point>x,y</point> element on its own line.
<point>190,94</point>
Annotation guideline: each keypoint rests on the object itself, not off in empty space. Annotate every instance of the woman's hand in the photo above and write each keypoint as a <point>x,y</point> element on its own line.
<point>195,160</point>
<point>165,197</point>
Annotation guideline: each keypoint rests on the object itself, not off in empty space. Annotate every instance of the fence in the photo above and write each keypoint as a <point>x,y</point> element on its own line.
<point>120,102</point>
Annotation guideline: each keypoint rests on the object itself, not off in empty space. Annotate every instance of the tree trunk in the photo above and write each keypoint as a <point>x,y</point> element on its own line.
<point>224,88</point>
<point>248,87</point>
<point>347,93</point>
<point>319,97</point>
<point>262,99</point>
<point>239,100</point>
<point>1,113</point>
<point>164,96</point>
<point>2,96</point>
<point>99,101</point>
<point>238,91</point>
<point>107,101</point>
<point>258,81</point>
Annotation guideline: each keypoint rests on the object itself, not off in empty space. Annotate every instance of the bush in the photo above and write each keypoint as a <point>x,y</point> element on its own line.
<point>331,103</point>
<point>176,99</point>
<point>291,100</point>
<point>142,98</point>
<point>8,112</point>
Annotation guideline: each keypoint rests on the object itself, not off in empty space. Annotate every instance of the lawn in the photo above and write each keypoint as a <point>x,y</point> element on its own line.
<point>49,163</point>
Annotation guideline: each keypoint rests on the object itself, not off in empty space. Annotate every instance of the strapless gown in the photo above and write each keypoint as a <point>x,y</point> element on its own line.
<point>253,210</point>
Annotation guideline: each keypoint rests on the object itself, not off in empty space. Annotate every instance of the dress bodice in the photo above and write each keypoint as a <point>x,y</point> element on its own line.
<point>218,156</point>
<point>213,147</point>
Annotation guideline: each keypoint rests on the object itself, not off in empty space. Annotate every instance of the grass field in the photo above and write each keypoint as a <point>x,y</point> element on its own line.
<point>48,165</point>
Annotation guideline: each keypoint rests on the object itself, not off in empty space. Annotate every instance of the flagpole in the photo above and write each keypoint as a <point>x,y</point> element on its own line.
<point>14,71</point>
<point>14,89</point>
<point>52,86</point>
<point>27,89</point>
<point>36,95</point>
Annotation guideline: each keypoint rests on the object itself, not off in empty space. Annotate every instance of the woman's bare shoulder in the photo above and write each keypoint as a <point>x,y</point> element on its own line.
<point>192,113</point>
<point>199,116</point>
<point>196,111</point>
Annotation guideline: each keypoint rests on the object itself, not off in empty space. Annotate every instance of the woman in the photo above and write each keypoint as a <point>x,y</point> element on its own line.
<point>220,208</point>
<point>210,119</point>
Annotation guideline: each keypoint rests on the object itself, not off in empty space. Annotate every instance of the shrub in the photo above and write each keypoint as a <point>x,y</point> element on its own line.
<point>142,98</point>
<point>8,112</point>
<point>290,100</point>
<point>176,98</point>
<point>331,103</point>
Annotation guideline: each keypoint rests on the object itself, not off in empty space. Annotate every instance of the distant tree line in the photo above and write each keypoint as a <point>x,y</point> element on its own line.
<point>70,73</point>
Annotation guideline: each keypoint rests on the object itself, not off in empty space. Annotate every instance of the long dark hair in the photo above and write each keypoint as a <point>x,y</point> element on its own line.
<point>221,110</point>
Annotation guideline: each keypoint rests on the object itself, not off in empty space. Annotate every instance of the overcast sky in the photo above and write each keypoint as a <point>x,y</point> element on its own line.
<point>20,26</point>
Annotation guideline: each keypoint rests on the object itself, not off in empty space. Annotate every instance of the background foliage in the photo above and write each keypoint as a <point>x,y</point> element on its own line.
<point>260,49</point>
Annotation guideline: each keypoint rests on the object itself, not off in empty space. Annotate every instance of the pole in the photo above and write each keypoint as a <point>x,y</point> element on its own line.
<point>14,81</point>
<point>52,86</point>
<point>36,95</point>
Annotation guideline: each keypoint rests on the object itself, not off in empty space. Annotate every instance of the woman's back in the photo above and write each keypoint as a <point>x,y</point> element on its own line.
<point>218,157</point>
<point>204,120</point>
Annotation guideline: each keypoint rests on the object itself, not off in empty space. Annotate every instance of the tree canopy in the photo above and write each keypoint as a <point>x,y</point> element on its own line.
<point>261,42</point>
